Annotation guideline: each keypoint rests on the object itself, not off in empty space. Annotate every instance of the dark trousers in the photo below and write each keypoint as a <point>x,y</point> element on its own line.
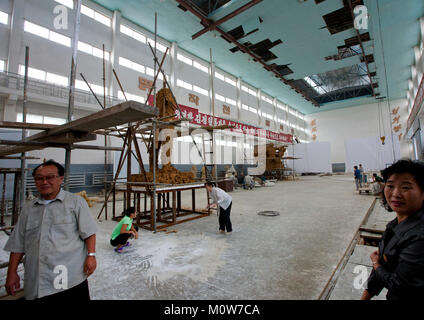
<point>79,292</point>
<point>122,238</point>
<point>224,219</point>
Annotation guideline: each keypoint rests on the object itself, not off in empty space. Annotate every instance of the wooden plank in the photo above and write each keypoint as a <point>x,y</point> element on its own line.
<point>374,228</point>
<point>125,112</point>
<point>370,235</point>
<point>26,125</point>
<point>48,141</point>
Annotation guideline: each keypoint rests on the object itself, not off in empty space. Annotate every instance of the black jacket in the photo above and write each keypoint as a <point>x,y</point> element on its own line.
<point>401,255</point>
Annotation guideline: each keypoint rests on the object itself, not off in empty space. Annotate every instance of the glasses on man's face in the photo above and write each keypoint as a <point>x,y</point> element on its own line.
<point>48,178</point>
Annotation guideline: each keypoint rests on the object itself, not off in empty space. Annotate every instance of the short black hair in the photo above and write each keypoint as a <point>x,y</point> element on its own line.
<point>128,211</point>
<point>414,168</point>
<point>355,167</point>
<point>51,162</point>
<point>210,184</point>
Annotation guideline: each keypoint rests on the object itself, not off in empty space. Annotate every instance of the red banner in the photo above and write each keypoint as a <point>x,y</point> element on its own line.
<point>203,119</point>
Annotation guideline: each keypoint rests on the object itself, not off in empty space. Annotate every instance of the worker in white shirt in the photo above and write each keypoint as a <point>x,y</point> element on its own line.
<point>224,200</point>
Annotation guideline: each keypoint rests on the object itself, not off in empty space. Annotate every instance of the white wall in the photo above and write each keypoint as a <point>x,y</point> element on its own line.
<point>340,125</point>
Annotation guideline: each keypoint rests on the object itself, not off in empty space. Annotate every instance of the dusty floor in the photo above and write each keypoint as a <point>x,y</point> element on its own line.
<point>290,256</point>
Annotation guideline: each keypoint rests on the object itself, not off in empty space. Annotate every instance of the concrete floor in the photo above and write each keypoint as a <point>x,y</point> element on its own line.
<point>290,256</point>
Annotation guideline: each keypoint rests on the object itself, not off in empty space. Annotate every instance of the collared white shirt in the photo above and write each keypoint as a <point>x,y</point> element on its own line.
<point>52,236</point>
<point>221,198</point>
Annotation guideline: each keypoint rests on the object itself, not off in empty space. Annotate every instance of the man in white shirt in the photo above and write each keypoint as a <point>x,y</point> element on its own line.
<point>224,200</point>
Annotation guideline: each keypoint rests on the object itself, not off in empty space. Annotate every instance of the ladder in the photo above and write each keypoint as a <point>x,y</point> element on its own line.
<point>209,167</point>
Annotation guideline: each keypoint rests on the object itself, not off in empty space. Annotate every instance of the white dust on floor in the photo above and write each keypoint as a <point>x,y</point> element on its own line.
<point>154,259</point>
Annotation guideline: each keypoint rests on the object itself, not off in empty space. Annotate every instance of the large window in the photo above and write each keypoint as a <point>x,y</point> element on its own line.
<point>132,65</point>
<point>247,108</point>
<point>249,91</point>
<point>226,79</point>
<point>224,99</point>
<point>4,18</point>
<point>44,76</point>
<point>35,118</point>
<point>133,34</point>
<point>68,3</point>
<point>46,33</point>
<point>97,89</point>
<point>93,14</point>
<point>2,65</point>
<point>89,49</point>
<point>266,99</point>
<point>131,97</point>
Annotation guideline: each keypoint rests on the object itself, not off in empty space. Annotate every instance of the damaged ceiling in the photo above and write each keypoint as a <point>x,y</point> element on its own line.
<point>308,53</point>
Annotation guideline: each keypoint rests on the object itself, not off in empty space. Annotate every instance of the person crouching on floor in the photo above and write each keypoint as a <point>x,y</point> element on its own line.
<point>124,230</point>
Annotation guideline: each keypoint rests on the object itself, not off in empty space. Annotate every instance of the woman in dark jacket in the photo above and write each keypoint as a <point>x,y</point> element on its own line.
<point>398,264</point>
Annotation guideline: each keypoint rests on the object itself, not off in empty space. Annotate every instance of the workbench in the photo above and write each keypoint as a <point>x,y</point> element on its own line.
<point>169,210</point>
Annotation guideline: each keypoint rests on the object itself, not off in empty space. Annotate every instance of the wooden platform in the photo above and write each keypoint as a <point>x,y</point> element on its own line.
<point>82,129</point>
<point>358,262</point>
<point>344,283</point>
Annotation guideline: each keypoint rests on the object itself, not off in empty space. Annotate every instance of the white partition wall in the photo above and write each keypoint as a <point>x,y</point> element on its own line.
<point>314,157</point>
<point>370,153</point>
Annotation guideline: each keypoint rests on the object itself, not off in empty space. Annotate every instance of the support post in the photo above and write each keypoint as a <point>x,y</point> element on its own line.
<point>24,133</point>
<point>72,85</point>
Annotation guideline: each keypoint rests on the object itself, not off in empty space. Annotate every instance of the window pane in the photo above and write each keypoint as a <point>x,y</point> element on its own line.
<point>188,86</point>
<point>139,37</point>
<point>229,81</point>
<point>138,67</point>
<point>56,79</point>
<point>126,30</point>
<point>98,53</point>
<point>219,76</point>
<point>87,11</point>
<point>32,118</point>
<point>81,85</point>
<point>200,67</point>
<point>219,97</point>
<point>2,65</point>
<point>68,3</point>
<point>36,29</point>
<point>4,17</point>
<point>52,120</point>
<point>138,98</point>
<point>230,101</point>
<point>84,47</point>
<point>61,39</point>
<point>150,72</point>
<point>102,19</point>
<point>33,73</point>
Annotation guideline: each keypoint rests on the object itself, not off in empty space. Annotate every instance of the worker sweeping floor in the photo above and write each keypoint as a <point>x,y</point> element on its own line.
<point>289,256</point>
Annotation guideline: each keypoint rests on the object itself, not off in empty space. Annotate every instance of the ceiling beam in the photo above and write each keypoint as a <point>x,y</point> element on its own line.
<point>214,24</point>
<point>362,46</point>
<point>205,21</point>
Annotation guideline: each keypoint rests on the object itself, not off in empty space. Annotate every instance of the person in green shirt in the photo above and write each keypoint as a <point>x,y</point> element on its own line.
<point>124,230</point>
